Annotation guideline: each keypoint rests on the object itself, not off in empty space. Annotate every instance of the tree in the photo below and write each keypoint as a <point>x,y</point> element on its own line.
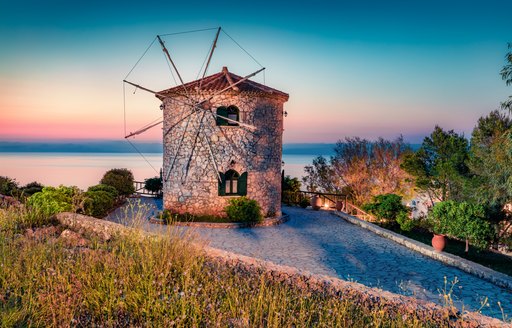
<point>371,168</point>
<point>440,165</point>
<point>320,176</point>
<point>506,75</point>
<point>121,179</point>
<point>490,158</point>
<point>290,184</point>
<point>461,220</point>
<point>153,184</point>
<point>8,186</point>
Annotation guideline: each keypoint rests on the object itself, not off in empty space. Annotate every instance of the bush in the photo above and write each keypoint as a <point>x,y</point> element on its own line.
<point>461,220</point>
<point>304,202</point>
<point>121,180</point>
<point>405,222</point>
<point>53,200</point>
<point>31,188</point>
<point>386,206</point>
<point>153,184</point>
<point>98,203</point>
<point>106,188</point>
<point>242,209</point>
<point>8,186</point>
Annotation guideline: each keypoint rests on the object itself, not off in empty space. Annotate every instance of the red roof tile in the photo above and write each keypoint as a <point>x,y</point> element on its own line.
<point>220,81</point>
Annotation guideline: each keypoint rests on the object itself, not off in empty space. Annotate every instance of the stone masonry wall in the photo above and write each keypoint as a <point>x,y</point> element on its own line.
<point>195,148</point>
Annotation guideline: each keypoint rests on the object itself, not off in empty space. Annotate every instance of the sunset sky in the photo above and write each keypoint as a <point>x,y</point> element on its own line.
<point>352,68</point>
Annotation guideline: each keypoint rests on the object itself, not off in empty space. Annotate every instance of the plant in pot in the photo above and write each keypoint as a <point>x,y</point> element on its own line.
<point>438,221</point>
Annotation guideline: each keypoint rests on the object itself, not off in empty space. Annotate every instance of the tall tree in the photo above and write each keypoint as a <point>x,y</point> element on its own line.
<point>320,176</point>
<point>506,75</point>
<point>371,168</point>
<point>440,165</point>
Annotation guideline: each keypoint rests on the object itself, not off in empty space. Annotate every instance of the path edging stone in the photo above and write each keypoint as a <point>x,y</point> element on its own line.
<point>268,222</point>
<point>495,277</point>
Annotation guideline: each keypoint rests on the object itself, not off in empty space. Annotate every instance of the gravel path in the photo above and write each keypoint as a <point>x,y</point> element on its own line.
<point>320,242</point>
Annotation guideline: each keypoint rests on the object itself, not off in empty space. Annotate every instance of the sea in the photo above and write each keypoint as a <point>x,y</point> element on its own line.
<point>86,169</point>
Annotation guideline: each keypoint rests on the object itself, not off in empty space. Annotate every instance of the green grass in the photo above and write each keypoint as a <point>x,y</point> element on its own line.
<point>169,217</point>
<point>490,259</point>
<point>164,282</point>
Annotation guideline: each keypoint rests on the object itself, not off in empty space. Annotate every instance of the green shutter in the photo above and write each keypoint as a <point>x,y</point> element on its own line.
<point>242,184</point>
<point>222,184</point>
<point>222,111</point>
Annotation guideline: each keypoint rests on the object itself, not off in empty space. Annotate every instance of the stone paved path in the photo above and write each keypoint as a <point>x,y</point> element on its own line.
<point>320,242</point>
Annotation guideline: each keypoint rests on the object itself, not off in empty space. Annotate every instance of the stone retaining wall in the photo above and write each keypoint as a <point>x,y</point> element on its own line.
<point>473,268</point>
<point>364,296</point>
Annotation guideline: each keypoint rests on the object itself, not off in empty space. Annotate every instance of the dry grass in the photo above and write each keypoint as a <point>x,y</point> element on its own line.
<point>161,282</point>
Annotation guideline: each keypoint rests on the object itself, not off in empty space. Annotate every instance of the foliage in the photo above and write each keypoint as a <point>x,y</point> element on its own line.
<point>461,220</point>
<point>405,222</point>
<point>163,282</point>
<point>31,188</point>
<point>169,217</point>
<point>98,203</point>
<point>490,158</point>
<point>106,188</point>
<point>304,202</point>
<point>8,186</point>
<point>371,168</point>
<point>319,176</point>
<point>387,206</point>
<point>153,184</point>
<point>121,179</point>
<point>53,200</point>
<point>506,75</point>
<point>290,184</point>
<point>440,165</point>
<point>242,209</point>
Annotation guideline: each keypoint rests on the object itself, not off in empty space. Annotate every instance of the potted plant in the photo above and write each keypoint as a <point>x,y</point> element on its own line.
<point>438,221</point>
<point>316,202</point>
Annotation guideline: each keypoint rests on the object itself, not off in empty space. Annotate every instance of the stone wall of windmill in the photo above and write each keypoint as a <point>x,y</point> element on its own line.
<point>197,151</point>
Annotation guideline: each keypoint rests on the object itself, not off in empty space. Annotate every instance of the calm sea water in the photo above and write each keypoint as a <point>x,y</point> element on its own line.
<point>86,169</point>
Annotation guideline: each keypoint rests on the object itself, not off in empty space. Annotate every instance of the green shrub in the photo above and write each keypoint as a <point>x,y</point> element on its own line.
<point>53,200</point>
<point>98,203</point>
<point>106,188</point>
<point>242,209</point>
<point>386,206</point>
<point>304,202</point>
<point>31,188</point>
<point>153,184</point>
<point>121,179</point>
<point>405,222</point>
<point>8,186</point>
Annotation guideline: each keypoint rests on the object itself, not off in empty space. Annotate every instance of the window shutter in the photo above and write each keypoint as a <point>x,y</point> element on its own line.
<point>222,184</point>
<point>222,111</point>
<point>242,184</point>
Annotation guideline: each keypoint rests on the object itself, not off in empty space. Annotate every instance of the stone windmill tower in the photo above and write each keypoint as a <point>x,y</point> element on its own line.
<point>222,138</point>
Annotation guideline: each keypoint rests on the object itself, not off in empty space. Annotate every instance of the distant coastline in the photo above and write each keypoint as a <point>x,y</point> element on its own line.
<point>316,149</point>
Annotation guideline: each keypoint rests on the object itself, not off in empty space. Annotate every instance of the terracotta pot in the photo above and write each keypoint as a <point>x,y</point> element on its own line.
<point>438,242</point>
<point>339,205</point>
<point>316,202</point>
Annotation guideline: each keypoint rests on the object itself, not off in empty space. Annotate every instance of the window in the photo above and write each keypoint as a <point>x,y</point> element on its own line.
<point>233,184</point>
<point>231,112</point>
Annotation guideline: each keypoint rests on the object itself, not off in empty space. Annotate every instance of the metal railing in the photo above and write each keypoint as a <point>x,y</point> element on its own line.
<point>142,191</point>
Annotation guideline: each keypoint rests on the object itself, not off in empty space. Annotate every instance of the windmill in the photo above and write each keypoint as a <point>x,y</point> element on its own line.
<point>222,137</point>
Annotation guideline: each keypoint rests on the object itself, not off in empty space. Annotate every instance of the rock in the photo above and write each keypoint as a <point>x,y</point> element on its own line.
<point>73,239</point>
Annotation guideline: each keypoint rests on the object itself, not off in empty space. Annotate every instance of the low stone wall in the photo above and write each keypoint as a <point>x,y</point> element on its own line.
<point>268,222</point>
<point>473,268</point>
<point>394,304</point>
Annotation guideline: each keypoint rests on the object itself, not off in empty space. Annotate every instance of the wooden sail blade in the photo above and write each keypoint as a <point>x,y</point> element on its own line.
<point>179,146</point>
<point>172,63</point>
<point>131,134</point>
<point>187,169</point>
<point>214,45</point>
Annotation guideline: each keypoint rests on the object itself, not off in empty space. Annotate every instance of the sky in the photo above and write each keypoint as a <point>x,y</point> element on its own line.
<point>352,68</point>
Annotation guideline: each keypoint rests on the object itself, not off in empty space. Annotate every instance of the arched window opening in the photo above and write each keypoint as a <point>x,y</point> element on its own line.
<point>233,184</point>
<point>231,112</point>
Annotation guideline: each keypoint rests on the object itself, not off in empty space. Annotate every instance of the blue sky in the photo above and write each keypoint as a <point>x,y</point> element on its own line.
<point>363,68</point>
